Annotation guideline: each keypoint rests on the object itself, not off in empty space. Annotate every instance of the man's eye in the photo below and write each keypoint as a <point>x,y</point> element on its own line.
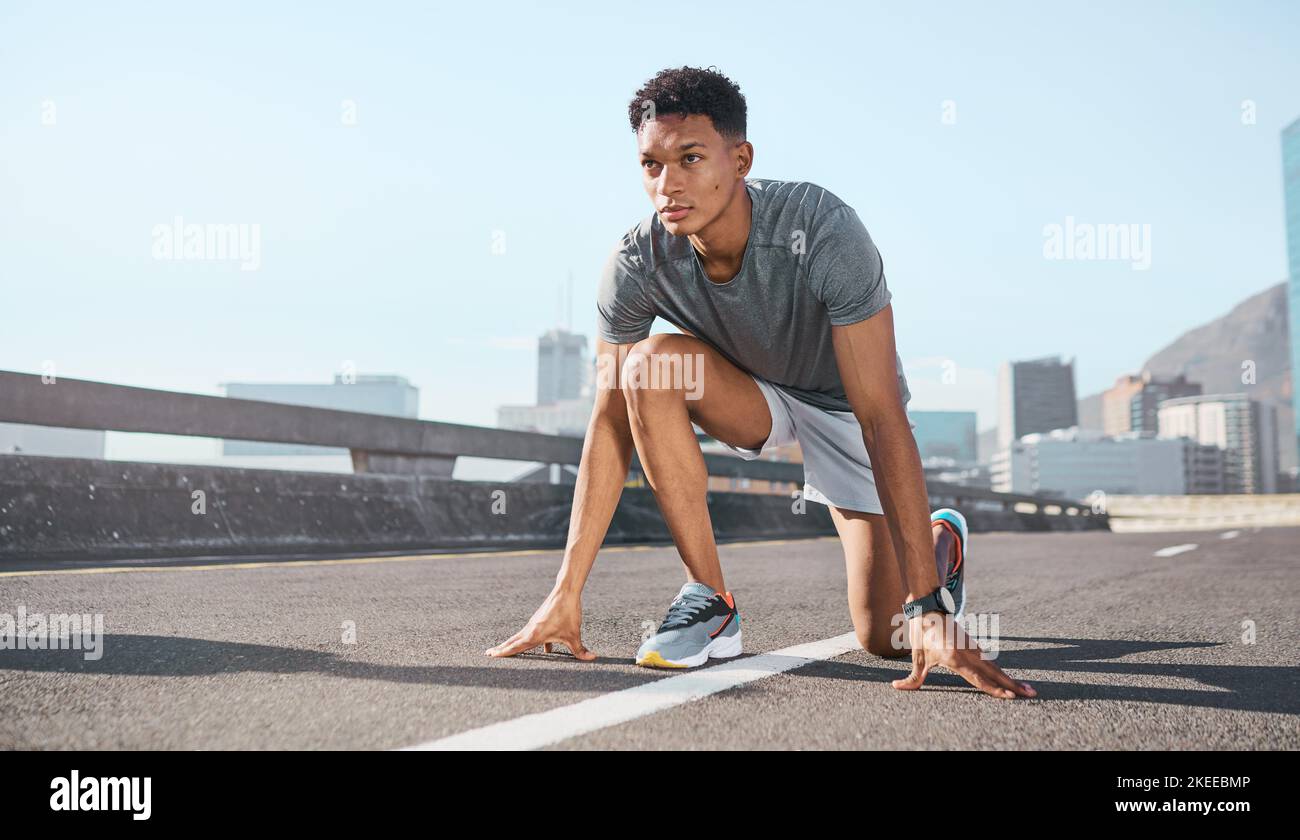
<point>645,163</point>
<point>691,156</point>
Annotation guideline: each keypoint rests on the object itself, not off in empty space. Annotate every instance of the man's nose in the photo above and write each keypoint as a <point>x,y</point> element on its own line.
<point>670,182</point>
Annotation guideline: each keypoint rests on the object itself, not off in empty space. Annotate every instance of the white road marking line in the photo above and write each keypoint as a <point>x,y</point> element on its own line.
<point>1227,535</point>
<point>1170,551</point>
<point>545,728</point>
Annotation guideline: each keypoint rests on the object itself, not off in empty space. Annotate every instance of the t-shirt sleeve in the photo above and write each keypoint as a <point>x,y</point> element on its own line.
<point>623,312</point>
<point>845,270</point>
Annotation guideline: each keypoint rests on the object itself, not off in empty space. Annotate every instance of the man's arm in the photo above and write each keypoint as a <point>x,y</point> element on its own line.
<point>602,471</point>
<point>866,357</point>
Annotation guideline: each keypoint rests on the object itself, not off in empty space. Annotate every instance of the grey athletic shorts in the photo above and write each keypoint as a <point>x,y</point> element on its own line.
<point>836,467</point>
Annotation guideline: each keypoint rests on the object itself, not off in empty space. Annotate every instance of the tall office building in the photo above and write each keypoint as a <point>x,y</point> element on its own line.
<point>1291,190</point>
<point>1117,401</point>
<point>562,366</point>
<point>565,389</point>
<point>1130,404</point>
<point>371,394</point>
<point>1145,408</point>
<point>1036,395</point>
<point>945,436</point>
<point>1245,429</point>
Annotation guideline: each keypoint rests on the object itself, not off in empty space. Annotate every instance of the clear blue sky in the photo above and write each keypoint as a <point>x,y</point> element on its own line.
<point>377,238</point>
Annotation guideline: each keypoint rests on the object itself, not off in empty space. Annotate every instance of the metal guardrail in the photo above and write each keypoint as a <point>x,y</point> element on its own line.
<point>378,443</point>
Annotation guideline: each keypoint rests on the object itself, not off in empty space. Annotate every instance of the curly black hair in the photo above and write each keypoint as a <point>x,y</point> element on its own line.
<point>692,90</point>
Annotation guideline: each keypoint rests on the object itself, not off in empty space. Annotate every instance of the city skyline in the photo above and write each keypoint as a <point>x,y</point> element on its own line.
<point>150,447</point>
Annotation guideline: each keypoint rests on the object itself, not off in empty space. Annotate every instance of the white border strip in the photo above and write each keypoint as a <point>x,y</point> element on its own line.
<point>545,728</point>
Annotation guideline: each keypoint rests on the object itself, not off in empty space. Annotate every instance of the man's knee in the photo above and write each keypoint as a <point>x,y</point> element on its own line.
<point>661,366</point>
<point>884,642</point>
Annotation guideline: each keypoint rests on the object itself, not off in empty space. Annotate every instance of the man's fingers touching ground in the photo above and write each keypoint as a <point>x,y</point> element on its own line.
<point>992,680</point>
<point>518,643</point>
<point>915,679</point>
<point>1017,688</point>
<point>576,647</point>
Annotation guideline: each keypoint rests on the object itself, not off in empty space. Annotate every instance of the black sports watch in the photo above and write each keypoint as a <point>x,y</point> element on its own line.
<point>940,599</point>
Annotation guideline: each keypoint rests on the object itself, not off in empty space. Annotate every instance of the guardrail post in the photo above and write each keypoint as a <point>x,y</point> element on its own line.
<point>400,464</point>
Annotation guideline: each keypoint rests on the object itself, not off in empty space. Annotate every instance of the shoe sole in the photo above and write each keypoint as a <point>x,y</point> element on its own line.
<point>965,554</point>
<point>723,647</point>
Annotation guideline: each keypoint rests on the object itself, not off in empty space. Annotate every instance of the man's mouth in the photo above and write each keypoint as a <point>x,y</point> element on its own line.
<point>673,213</point>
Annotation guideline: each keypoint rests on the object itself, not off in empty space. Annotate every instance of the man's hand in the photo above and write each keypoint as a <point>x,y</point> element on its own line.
<point>557,620</point>
<point>937,639</point>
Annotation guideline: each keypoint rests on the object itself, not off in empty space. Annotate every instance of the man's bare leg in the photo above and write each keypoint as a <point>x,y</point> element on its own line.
<point>875,577</point>
<point>730,408</point>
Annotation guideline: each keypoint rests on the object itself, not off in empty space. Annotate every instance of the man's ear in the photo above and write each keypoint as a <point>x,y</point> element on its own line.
<point>744,158</point>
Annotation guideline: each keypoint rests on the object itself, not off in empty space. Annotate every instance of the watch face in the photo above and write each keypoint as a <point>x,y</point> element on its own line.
<point>945,597</point>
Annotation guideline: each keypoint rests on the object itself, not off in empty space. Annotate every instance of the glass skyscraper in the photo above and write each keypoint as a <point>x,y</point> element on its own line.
<point>945,434</point>
<point>1291,188</point>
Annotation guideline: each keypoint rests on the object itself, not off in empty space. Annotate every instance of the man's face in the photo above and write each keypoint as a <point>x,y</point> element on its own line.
<point>686,164</point>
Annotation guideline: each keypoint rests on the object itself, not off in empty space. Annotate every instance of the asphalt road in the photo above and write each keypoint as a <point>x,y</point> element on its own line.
<point>1128,650</point>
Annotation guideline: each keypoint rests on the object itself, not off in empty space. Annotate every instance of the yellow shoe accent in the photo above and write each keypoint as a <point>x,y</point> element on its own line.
<point>654,660</point>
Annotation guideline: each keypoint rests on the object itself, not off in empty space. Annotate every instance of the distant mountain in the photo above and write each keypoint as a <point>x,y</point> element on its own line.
<point>1213,354</point>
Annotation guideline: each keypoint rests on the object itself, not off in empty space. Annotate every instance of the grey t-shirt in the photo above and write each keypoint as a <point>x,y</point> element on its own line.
<point>809,263</point>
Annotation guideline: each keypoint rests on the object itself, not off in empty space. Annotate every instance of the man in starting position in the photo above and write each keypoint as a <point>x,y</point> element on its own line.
<point>781,298</point>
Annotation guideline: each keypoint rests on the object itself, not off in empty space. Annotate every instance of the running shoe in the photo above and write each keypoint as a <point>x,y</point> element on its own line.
<point>701,623</point>
<point>955,580</point>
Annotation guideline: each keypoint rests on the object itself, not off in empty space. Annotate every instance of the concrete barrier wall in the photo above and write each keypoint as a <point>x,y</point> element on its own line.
<point>1202,513</point>
<point>68,508</point>
<point>63,507</point>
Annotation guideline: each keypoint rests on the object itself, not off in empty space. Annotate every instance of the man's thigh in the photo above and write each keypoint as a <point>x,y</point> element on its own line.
<point>720,397</point>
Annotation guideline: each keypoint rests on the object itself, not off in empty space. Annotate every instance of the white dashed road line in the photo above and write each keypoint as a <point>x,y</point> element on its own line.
<point>550,727</point>
<point>1170,551</point>
<point>1227,535</point>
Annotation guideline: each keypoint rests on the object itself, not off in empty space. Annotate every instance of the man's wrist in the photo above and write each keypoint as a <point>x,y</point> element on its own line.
<point>923,579</point>
<point>916,596</point>
<point>566,587</point>
<point>939,600</point>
